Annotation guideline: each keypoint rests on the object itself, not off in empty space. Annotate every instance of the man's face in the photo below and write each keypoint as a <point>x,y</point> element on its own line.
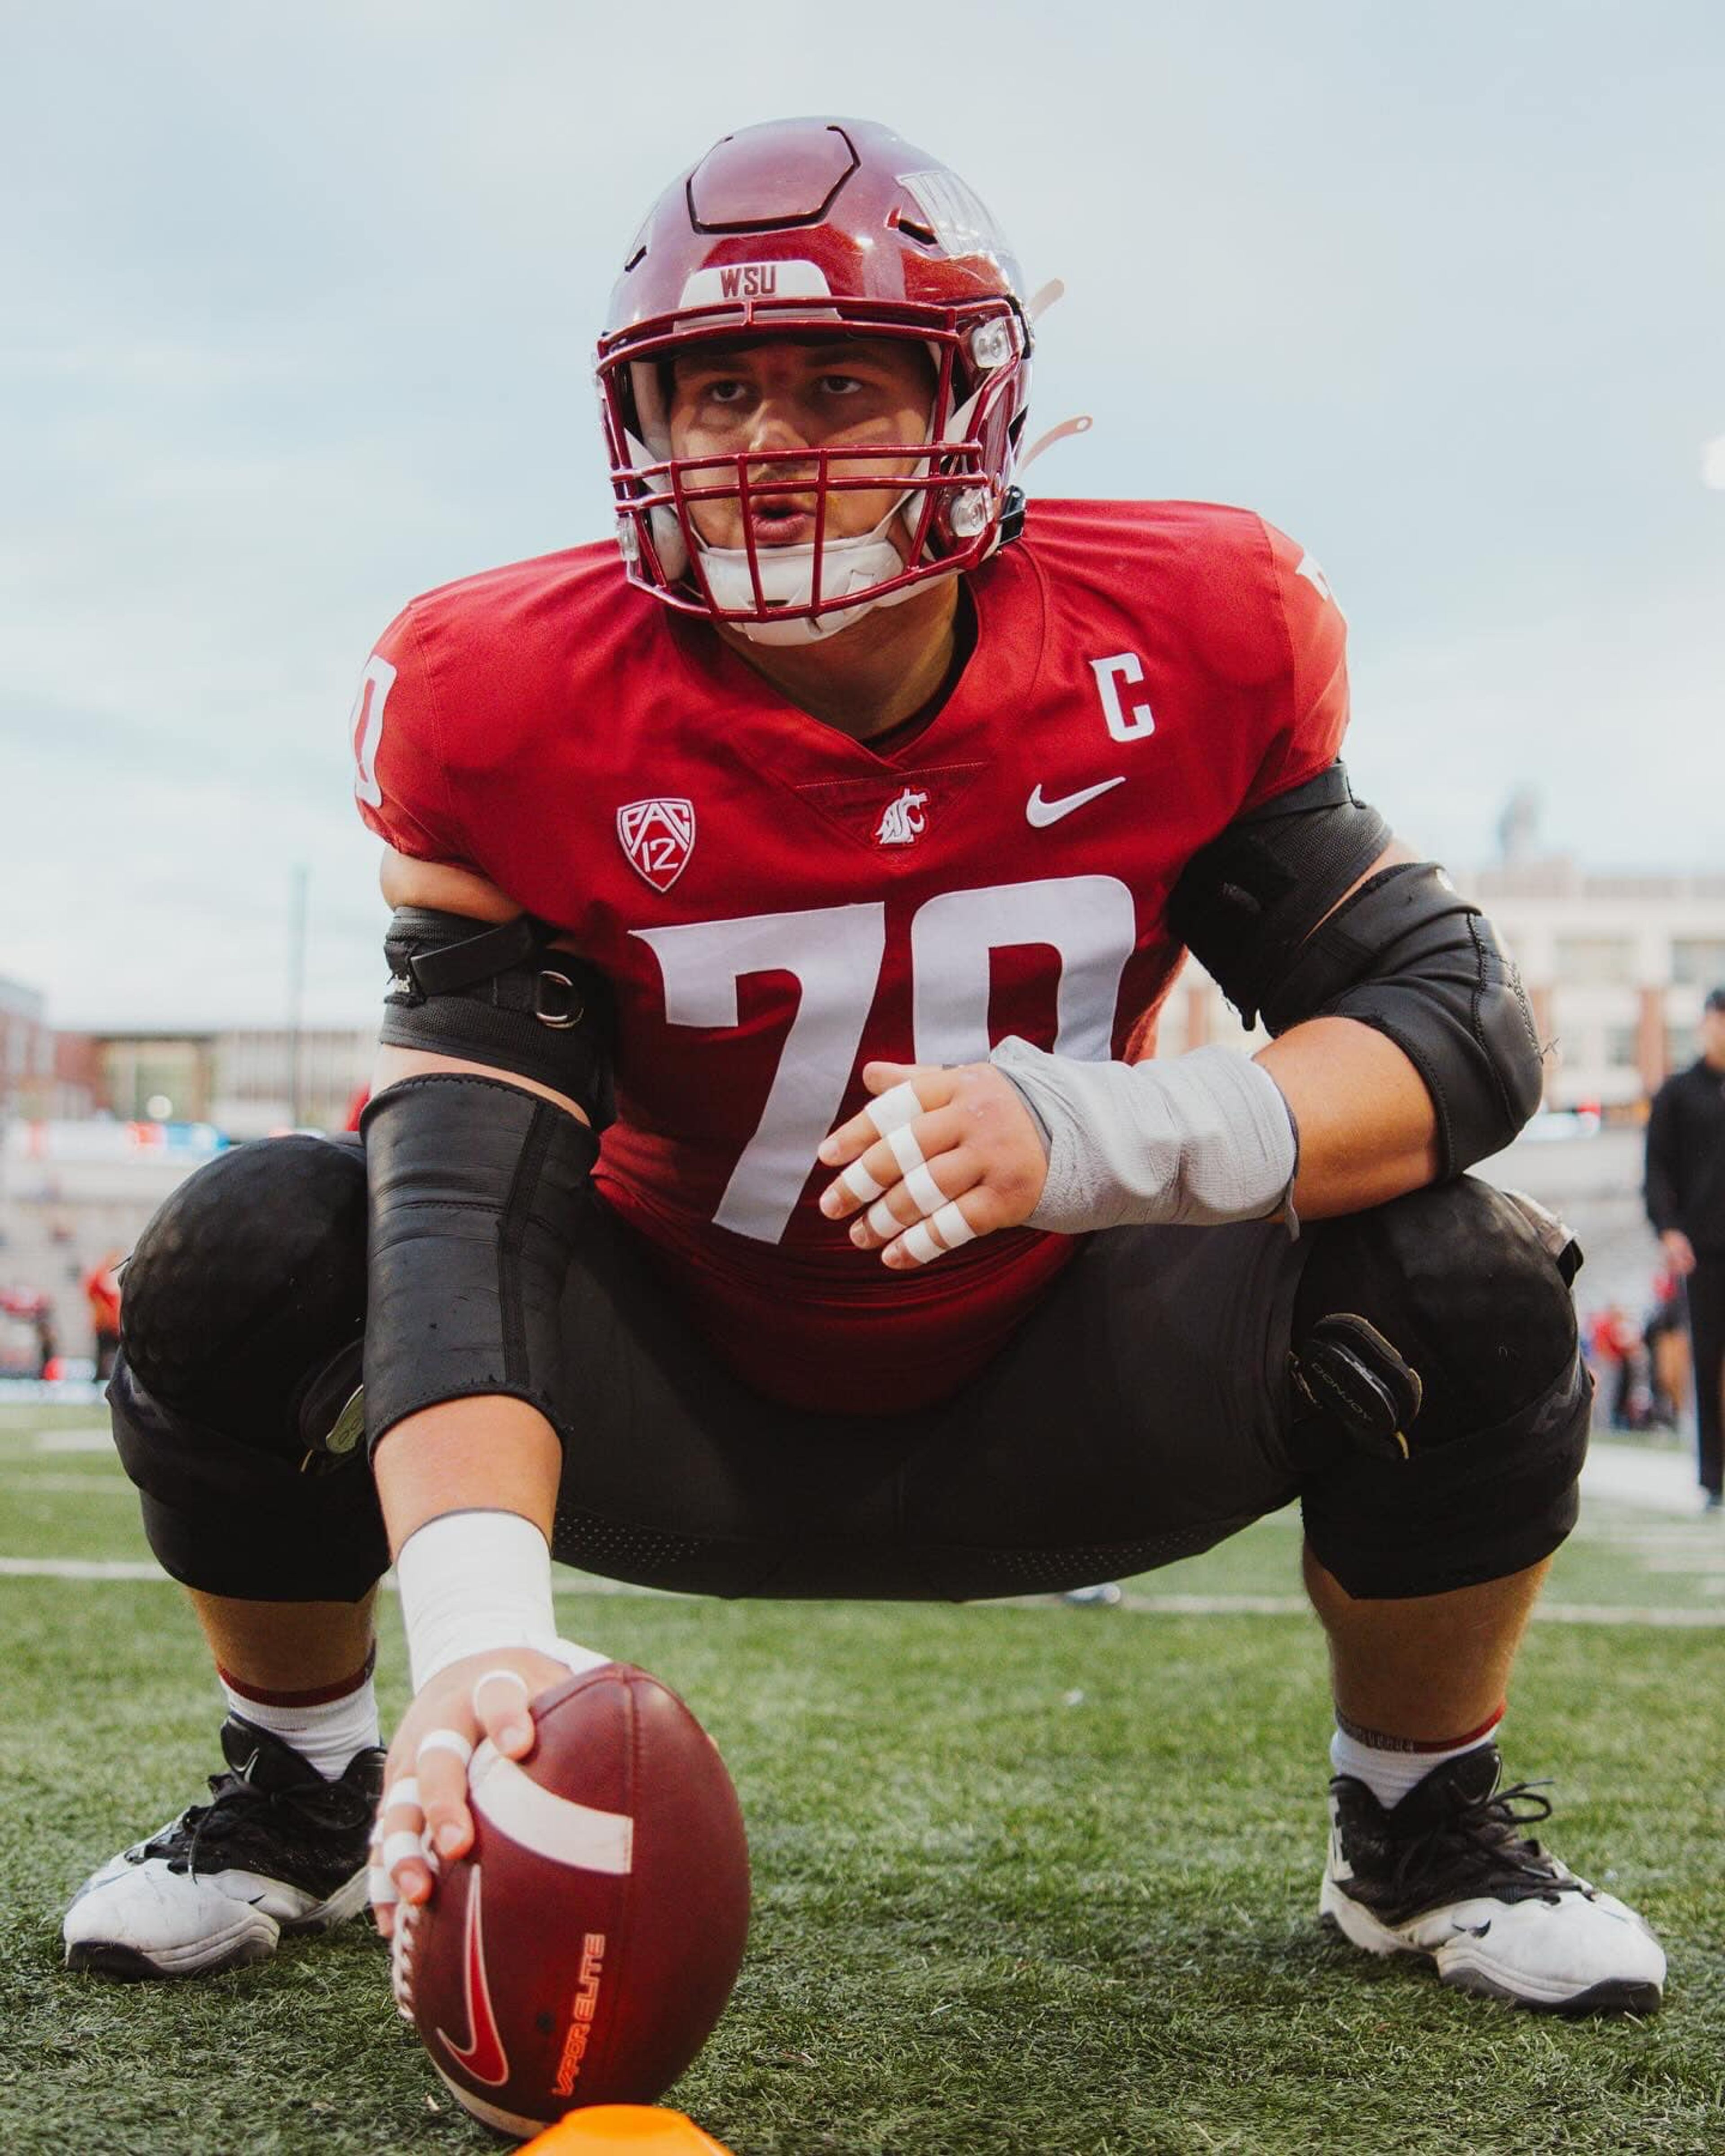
<point>740,399</point>
<point>1712,1037</point>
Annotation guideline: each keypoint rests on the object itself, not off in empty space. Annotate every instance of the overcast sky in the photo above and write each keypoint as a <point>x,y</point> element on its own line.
<point>296,320</point>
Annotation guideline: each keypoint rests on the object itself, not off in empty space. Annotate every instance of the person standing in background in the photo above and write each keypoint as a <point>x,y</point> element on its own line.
<point>101,1291</point>
<point>1686,1204</point>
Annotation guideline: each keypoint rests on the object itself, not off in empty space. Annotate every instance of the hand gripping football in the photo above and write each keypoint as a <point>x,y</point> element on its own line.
<point>582,1950</point>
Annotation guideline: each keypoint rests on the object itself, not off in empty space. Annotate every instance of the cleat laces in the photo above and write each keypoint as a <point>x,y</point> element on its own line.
<point>309,1831</point>
<point>1478,1848</point>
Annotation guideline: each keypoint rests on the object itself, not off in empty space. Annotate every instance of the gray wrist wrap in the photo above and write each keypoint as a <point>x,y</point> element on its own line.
<point>1198,1140</point>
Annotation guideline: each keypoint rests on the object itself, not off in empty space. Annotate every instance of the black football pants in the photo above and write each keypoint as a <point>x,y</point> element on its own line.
<point>1705,1288</point>
<point>1141,1412</point>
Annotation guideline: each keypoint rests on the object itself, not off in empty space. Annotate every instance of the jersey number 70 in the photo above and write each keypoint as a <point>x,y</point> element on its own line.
<point>835,953</point>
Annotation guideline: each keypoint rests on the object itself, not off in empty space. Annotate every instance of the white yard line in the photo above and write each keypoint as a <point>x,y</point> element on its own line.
<point>79,1567</point>
<point>1655,1478</point>
<point>31,1482</point>
<point>91,1437</point>
<point>1155,1606</point>
<point>1294,1605</point>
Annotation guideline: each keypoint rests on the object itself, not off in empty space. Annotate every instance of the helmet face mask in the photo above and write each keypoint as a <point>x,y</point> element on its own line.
<point>815,231</point>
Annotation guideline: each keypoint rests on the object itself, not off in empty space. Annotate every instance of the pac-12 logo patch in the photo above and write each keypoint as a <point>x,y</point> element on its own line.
<point>659,837</point>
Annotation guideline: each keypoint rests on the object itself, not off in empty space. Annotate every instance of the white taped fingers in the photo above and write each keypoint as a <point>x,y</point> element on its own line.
<point>918,1183</point>
<point>861,1185</point>
<point>948,1224</point>
<point>498,1676</point>
<point>401,1796</point>
<point>925,1193</point>
<point>902,1144</point>
<point>445,1740</point>
<point>898,1106</point>
<point>402,1847</point>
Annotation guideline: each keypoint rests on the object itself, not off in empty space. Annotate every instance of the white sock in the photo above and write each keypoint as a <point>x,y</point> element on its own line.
<point>1390,1767</point>
<point>327,1726</point>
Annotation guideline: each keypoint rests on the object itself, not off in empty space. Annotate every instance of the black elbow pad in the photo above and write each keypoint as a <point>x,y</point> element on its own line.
<point>1246,902</point>
<point>1407,955</point>
<point>477,1188</point>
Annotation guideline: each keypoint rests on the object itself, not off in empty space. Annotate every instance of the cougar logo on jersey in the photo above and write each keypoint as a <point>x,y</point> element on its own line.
<point>657,836</point>
<point>901,820</point>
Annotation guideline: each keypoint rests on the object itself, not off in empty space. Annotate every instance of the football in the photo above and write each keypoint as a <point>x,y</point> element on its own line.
<point>583,1949</point>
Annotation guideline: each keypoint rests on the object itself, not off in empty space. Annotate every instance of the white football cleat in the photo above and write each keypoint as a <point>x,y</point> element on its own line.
<point>1447,1874</point>
<point>278,1848</point>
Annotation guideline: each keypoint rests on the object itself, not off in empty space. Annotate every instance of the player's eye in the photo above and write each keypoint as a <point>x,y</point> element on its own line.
<point>840,385</point>
<point>725,389</point>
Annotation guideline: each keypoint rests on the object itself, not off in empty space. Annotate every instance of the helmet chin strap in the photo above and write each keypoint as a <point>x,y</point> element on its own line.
<point>786,580</point>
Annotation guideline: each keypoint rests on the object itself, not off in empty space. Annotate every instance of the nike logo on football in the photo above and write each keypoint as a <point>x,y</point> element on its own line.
<point>482,2056</point>
<point>1040,813</point>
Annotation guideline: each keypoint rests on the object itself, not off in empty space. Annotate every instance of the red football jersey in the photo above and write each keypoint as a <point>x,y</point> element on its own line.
<point>775,903</point>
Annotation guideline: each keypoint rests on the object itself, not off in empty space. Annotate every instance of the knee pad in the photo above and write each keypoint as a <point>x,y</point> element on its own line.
<point>248,1290</point>
<point>1442,1306</point>
<point>1438,1393</point>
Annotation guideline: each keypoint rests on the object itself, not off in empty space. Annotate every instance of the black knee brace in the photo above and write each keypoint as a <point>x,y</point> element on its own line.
<point>242,1327</point>
<point>1440,1406</point>
<point>247,1284</point>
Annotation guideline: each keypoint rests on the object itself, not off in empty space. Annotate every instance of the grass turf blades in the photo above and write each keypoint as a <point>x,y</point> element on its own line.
<point>1029,1881</point>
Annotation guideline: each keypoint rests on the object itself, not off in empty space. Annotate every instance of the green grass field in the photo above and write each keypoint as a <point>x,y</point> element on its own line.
<point>1029,1881</point>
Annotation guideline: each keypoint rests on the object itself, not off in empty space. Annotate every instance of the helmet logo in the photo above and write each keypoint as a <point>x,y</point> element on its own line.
<point>901,820</point>
<point>961,220</point>
<point>657,836</point>
<point>726,283</point>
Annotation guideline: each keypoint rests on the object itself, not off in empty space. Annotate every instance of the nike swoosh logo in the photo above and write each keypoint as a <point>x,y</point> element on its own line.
<point>483,2056</point>
<point>1039,814</point>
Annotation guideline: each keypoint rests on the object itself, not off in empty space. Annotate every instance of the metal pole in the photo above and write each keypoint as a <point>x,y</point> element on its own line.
<point>296,989</point>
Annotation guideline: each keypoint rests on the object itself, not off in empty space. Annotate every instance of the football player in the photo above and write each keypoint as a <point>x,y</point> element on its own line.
<point>769,1186</point>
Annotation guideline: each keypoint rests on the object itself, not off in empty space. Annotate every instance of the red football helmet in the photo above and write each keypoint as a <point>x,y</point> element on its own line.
<point>783,231</point>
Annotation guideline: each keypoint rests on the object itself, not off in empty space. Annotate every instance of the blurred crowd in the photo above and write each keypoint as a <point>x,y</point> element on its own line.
<point>30,1343</point>
<point>1640,1361</point>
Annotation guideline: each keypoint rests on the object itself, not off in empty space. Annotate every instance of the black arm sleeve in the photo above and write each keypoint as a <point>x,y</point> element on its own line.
<point>1409,957</point>
<point>1664,1208</point>
<point>1246,903</point>
<point>1404,954</point>
<point>475,1201</point>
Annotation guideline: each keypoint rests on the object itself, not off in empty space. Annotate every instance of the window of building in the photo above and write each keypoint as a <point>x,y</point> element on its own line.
<point>1698,961</point>
<point>1621,1043</point>
<point>1595,958</point>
